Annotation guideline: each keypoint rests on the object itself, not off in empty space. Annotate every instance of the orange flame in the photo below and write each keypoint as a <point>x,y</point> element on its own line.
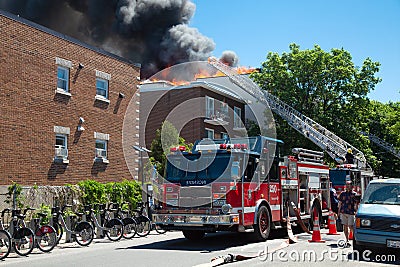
<point>202,75</point>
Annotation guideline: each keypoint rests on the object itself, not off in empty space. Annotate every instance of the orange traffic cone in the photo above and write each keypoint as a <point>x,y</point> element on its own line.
<point>332,224</point>
<point>316,234</point>
<point>351,235</point>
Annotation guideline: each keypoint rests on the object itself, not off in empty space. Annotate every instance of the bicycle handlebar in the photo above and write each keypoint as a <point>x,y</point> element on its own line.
<point>64,207</point>
<point>28,209</point>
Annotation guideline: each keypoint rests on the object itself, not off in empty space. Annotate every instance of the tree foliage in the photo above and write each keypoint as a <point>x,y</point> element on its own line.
<point>330,89</point>
<point>166,137</point>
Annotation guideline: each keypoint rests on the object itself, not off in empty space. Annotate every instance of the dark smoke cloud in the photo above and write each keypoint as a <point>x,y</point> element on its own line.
<point>152,32</point>
<point>229,58</point>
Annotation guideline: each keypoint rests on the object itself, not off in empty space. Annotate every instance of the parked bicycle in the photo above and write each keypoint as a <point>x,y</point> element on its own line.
<point>112,227</point>
<point>22,238</point>
<point>154,226</point>
<point>45,234</point>
<point>81,231</point>
<point>143,223</point>
<point>128,221</point>
<point>5,243</point>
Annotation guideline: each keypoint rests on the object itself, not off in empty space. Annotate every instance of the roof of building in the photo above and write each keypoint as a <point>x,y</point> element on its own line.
<point>66,37</point>
<point>208,83</point>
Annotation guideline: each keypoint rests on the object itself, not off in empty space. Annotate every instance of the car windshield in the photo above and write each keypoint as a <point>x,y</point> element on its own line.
<point>382,193</point>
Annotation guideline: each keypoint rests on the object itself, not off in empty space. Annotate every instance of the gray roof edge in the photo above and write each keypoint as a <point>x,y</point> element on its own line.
<point>66,37</point>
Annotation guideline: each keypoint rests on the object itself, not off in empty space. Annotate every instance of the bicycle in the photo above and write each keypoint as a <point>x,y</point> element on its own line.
<point>81,231</point>
<point>112,227</point>
<point>45,234</point>
<point>143,223</point>
<point>127,220</point>
<point>5,243</point>
<point>154,226</point>
<point>22,238</point>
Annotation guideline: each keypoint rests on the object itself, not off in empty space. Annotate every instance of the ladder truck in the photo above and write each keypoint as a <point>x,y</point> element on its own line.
<point>358,171</point>
<point>383,144</point>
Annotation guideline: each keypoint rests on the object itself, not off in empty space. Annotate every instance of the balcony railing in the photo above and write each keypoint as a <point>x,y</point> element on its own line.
<point>218,117</point>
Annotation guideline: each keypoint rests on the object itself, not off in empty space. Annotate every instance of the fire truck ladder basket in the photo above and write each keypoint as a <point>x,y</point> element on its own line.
<point>383,144</point>
<point>319,135</point>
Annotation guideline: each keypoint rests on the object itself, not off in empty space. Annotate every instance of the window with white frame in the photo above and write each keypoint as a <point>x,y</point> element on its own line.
<point>61,147</point>
<point>101,149</point>
<point>237,117</point>
<point>102,87</point>
<point>63,78</point>
<point>209,107</point>
<point>209,133</point>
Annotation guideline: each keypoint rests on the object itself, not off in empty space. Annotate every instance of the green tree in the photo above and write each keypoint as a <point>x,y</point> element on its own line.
<point>382,120</point>
<point>325,86</point>
<point>166,137</point>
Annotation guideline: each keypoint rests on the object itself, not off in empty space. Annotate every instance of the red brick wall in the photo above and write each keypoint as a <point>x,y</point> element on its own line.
<point>30,108</point>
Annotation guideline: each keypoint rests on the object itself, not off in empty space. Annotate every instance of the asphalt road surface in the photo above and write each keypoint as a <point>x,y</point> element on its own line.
<point>171,249</point>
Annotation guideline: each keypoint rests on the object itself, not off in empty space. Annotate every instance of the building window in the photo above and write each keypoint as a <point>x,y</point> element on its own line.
<point>224,110</point>
<point>101,150</point>
<point>61,147</point>
<point>209,133</point>
<point>237,118</point>
<point>209,107</point>
<point>63,78</point>
<point>102,88</point>
<point>224,136</point>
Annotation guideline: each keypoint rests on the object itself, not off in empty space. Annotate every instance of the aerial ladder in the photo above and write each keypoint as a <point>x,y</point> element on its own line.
<point>383,144</point>
<point>319,135</point>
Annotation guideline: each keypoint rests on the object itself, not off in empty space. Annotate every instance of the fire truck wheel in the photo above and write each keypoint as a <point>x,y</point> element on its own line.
<point>193,234</point>
<point>263,226</point>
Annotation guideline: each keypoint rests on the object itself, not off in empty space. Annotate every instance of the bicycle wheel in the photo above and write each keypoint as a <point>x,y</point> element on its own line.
<point>143,226</point>
<point>46,238</point>
<point>159,229</point>
<point>59,230</point>
<point>129,228</point>
<point>5,244</point>
<point>23,241</point>
<point>84,233</point>
<point>115,229</point>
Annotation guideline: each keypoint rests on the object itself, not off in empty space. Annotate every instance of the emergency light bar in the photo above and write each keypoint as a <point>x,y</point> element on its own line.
<point>220,146</point>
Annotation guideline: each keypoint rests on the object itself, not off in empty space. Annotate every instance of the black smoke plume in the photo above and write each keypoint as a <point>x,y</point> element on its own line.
<point>154,33</point>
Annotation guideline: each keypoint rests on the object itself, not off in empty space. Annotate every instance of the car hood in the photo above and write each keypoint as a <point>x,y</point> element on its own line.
<point>379,210</point>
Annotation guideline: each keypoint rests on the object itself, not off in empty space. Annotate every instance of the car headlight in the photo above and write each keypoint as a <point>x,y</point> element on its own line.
<point>365,222</point>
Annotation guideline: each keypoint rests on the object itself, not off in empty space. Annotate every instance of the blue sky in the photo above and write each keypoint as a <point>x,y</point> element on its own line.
<point>253,28</point>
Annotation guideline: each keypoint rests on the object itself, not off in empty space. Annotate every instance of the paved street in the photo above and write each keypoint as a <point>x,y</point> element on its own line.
<point>172,249</point>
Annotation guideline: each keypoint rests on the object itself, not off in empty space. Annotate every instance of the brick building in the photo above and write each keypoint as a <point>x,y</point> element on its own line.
<point>62,106</point>
<point>205,108</point>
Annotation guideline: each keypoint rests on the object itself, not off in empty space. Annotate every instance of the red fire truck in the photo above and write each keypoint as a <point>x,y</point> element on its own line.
<point>240,184</point>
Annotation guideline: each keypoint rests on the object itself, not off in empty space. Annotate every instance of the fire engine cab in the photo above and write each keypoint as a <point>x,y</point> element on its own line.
<point>242,185</point>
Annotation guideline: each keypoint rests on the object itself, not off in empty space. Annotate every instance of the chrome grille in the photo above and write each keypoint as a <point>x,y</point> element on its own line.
<point>195,196</point>
<point>387,225</point>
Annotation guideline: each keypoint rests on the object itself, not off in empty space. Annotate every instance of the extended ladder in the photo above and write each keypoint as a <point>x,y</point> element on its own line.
<point>383,144</point>
<point>319,135</point>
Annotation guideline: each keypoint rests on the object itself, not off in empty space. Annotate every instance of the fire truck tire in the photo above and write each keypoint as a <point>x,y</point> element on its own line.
<point>263,226</point>
<point>193,234</point>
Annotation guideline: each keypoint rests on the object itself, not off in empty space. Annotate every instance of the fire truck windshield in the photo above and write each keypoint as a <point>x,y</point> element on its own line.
<point>199,172</point>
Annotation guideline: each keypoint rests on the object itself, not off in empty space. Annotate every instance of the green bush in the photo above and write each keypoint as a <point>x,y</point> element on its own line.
<point>117,192</point>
